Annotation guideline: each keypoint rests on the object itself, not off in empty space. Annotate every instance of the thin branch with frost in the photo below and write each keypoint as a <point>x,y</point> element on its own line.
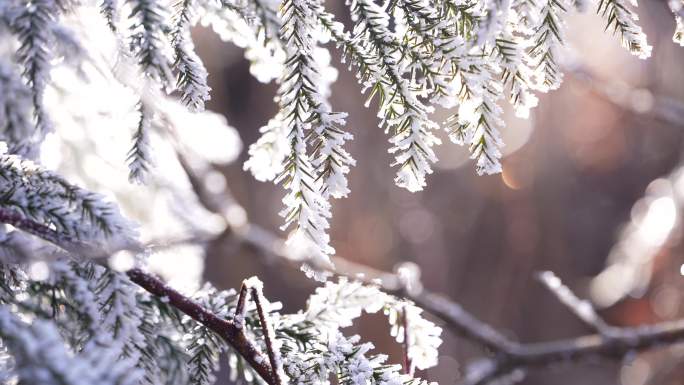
<point>510,356</point>
<point>583,309</point>
<point>256,288</point>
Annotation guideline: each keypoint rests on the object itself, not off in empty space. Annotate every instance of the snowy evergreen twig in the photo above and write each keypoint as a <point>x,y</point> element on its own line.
<point>410,54</point>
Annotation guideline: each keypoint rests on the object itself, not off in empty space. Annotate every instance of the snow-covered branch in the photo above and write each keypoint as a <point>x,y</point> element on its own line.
<point>227,329</point>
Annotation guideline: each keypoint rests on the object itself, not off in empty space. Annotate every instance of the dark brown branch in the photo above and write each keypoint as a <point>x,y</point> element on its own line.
<point>408,368</point>
<point>14,218</point>
<point>228,330</point>
<point>250,287</point>
<point>64,241</point>
<point>240,308</point>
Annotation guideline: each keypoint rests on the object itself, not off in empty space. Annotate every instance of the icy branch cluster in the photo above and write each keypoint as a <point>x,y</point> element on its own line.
<point>409,56</point>
<point>94,93</point>
<point>72,324</point>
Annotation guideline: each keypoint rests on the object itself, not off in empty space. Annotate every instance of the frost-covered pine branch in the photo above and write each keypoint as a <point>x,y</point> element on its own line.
<point>148,39</point>
<point>622,20</point>
<point>83,221</point>
<point>65,235</point>
<point>411,54</point>
<point>31,23</point>
<point>192,76</point>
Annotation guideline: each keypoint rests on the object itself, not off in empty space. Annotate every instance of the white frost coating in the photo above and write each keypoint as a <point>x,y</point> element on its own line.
<point>192,75</point>
<point>405,53</point>
<point>139,156</point>
<point>496,14</point>
<point>404,116</point>
<point>423,336</point>
<point>42,357</point>
<point>153,52</point>
<point>267,155</point>
<point>254,282</point>
<point>33,25</point>
<point>337,355</point>
<point>96,223</point>
<point>265,54</point>
<point>338,304</point>
<point>122,317</point>
<point>85,121</point>
<point>316,163</point>
<point>622,20</point>
<point>16,107</point>
<point>206,134</point>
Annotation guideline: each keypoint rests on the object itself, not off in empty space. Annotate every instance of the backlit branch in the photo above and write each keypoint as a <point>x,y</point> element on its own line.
<point>233,334</point>
<point>581,308</point>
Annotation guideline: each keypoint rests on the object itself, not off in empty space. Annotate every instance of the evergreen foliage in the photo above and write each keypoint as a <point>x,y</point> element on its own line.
<point>67,317</point>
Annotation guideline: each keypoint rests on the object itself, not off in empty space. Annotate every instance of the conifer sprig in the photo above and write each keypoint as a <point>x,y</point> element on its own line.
<point>139,156</point>
<point>149,40</point>
<point>31,23</point>
<point>622,21</point>
<point>72,214</point>
<point>192,76</point>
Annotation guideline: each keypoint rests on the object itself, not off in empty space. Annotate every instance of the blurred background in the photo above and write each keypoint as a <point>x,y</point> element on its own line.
<point>591,189</point>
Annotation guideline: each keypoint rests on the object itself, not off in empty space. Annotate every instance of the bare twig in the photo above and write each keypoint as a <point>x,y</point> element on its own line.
<point>509,355</point>
<point>583,309</point>
<point>269,335</point>
<point>461,322</point>
<point>241,307</point>
<point>625,341</point>
<point>408,365</point>
<point>254,287</point>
